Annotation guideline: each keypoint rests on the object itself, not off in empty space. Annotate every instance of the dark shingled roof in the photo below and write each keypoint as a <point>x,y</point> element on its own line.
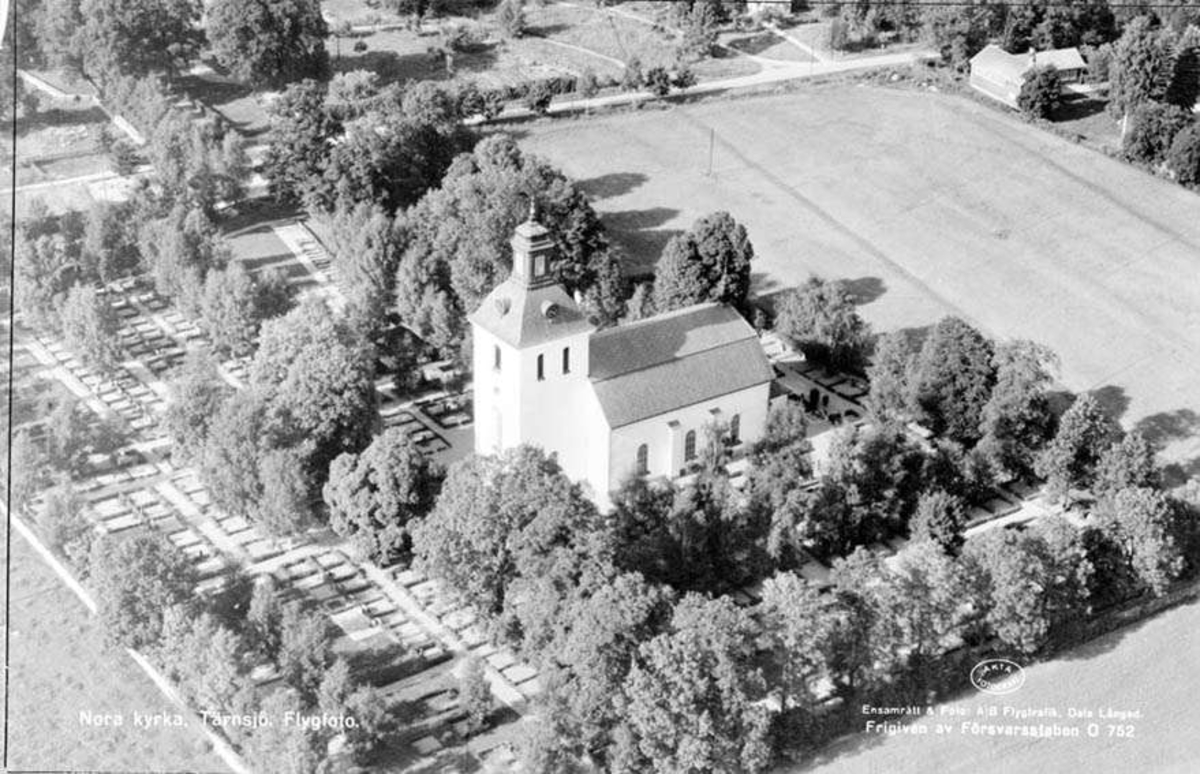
<point>518,315</point>
<point>653,366</point>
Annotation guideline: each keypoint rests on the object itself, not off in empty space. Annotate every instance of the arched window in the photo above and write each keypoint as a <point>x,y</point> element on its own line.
<point>643,460</point>
<point>735,429</point>
<point>496,356</point>
<point>566,360</point>
<point>541,367</point>
<point>689,446</point>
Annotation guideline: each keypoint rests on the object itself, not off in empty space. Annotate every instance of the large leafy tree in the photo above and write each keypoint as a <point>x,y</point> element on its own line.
<point>231,310</point>
<point>374,496</point>
<point>238,436</point>
<point>458,237</point>
<point>1017,421</point>
<point>1184,156</point>
<point>821,319</point>
<point>693,695</point>
<point>1070,460</point>
<point>269,43</point>
<point>136,37</point>
<point>497,519</point>
<point>797,624</point>
<point>91,327</point>
<point>317,376</point>
<point>1142,67</point>
<point>1127,463</point>
<point>710,262</point>
<point>952,380</point>
<point>179,249</point>
<point>196,395</point>
<point>890,374</point>
<point>940,518</point>
<point>1143,524</point>
<point>109,249</point>
<point>137,578</point>
<point>365,246</point>
<point>301,134</point>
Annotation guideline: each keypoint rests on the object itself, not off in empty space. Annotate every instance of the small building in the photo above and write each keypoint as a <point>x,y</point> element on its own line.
<point>632,400</point>
<point>1000,75</point>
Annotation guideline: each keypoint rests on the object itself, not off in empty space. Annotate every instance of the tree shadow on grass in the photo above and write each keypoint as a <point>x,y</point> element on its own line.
<point>612,184</point>
<point>864,290</point>
<point>637,232</point>
<point>1112,399</point>
<point>1166,426</point>
<point>1074,109</point>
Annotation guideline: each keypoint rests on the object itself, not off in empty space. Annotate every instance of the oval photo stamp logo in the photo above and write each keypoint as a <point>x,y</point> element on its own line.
<point>997,676</point>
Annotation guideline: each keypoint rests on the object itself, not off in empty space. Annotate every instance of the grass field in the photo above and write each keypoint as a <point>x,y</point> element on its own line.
<point>930,205</point>
<point>1151,667</point>
<point>58,668</point>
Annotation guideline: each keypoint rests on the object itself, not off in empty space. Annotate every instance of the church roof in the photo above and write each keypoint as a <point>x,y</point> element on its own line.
<point>653,366</point>
<point>526,317</point>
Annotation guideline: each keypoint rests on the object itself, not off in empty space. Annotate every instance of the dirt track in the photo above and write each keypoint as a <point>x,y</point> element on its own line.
<point>931,205</point>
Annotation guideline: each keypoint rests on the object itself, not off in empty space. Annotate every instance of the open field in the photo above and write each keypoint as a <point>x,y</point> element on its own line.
<point>1151,667</point>
<point>930,205</point>
<point>58,668</point>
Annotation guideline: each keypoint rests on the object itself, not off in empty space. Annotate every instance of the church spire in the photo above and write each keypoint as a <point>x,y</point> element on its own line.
<point>533,252</point>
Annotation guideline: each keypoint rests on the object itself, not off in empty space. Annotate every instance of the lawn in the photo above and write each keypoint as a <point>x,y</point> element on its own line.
<point>58,668</point>
<point>933,204</point>
<point>61,141</point>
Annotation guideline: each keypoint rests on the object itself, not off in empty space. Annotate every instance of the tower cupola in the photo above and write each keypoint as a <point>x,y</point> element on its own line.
<point>533,252</point>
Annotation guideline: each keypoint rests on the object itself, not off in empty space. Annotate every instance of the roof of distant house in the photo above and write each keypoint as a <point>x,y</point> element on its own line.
<point>996,59</point>
<point>677,359</point>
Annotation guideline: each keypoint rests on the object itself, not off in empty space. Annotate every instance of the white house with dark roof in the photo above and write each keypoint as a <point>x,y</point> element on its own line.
<point>624,401</point>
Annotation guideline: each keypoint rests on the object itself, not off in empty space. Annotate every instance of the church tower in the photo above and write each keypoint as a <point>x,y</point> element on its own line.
<point>530,343</point>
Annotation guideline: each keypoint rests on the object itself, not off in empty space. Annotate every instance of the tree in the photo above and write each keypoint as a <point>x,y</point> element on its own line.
<point>91,327</point>
<point>230,310</point>
<point>300,135</point>
<point>26,470</point>
<point>940,517</point>
<point>890,395</point>
<point>1184,157</point>
<point>475,694</point>
<point>269,43</point>
<point>135,579</point>
<point>195,396</point>
<point>927,606</point>
<point>458,237</point>
<point>952,380</point>
<point>796,620</point>
<point>304,651</point>
<point>136,37</point>
<point>65,526</point>
<point>1141,521</point>
<point>373,724</point>
<point>365,247</point>
<point>1041,92</point>
<point>373,497</point>
<point>658,81</point>
<point>875,473</point>
<point>820,319</point>
<point>238,436</point>
<point>1128,463</point>
<point>510,15</point>
<point>711,262</point>
<point>73,435</point>
<point>179,250</point>
<point>1017,420</point>
<point>264,618</point>
<point>203,658</point>
<point>286,748</point>
<point>286,504</point>
<point>1153,127</point>
<point>1071,458</point>
<point>1142,66</point>
<point>692,696</point>
<point>109,248</point>
<point>498,518</point>
<point>317,378</point>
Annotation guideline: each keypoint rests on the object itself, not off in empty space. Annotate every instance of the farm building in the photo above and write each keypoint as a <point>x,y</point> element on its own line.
<point>1000,75</point>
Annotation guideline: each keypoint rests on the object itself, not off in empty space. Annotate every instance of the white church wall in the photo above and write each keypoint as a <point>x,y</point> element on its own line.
<point>667,457</point>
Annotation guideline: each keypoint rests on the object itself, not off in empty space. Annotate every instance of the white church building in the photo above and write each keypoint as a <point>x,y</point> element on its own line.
<point>631,400</point>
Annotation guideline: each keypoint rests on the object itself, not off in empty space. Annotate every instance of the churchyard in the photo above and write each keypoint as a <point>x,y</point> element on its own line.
<point>927,205</point>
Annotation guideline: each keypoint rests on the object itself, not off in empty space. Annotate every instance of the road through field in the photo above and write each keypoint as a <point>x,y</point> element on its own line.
<point>928,204</point>
<point>1150,669</point>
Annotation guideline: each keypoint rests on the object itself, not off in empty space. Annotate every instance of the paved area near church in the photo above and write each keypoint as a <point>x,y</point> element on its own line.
<point>930,205</point>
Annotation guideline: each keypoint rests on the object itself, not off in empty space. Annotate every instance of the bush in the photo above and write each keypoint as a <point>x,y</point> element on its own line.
<point>475,695</point>
<point>839,34</point>
<point>588,84</point>
<point>631,78</point>
<point>1099,61</point>
<point>1184,157</point>
<point>511,17</point>
<point>538,96</point>
<point>1152,129</point>
<point>1040,93</point>
<point>684,79</point>
<point>658,81</point>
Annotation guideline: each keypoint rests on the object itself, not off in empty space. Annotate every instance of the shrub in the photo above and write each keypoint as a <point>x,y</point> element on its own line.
<point>839,34</point>
<point>123,157</point>
<point>631,78</point>
<point>493,104</point>
<point>1152,129</point>
<point>658,81</point>
<point>538,96</point>
<point>475,695</point>
<point>588,84</point>
<point>1099,62</point>
<point>511,17</point>
<point>1184,156</point>
<point>1040,93</point>
<point>684,79</point>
